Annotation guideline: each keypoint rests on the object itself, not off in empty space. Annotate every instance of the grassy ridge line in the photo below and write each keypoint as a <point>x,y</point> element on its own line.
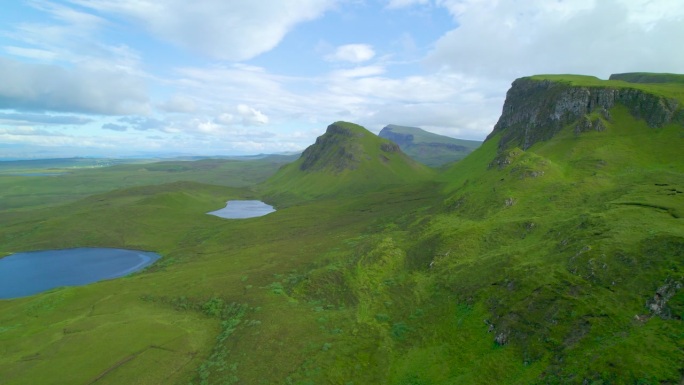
<point>422,136</point>
<point>648,77</point>
<point>428,148</point>
<point>668,90</point>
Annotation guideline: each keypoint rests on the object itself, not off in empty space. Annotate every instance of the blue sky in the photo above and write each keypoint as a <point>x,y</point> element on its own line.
<point>215,77</point>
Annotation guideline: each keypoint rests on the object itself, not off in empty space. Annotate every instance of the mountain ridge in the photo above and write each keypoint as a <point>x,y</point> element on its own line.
<point>426,147</point>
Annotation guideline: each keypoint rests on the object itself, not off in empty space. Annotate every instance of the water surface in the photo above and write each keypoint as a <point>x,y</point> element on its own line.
<point>243,209</point>
<point>23,274</point>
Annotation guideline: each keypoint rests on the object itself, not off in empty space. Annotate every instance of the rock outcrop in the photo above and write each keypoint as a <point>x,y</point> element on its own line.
<point>536,110</point>
<point>336,149</point>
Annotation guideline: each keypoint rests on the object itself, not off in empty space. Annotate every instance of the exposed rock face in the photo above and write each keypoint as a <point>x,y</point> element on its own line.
<point>398,138</point>
<point>658,304</point>
<point>390,147</point>
<point>335,149</point>
<point>536,110</point>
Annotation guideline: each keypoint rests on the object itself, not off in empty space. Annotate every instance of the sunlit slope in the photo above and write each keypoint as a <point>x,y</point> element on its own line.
<point>574,245</point>
<point>347,159</point>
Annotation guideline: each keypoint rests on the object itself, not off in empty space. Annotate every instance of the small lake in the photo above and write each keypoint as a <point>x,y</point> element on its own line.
<point>24,274</point>
<point>243,209</point>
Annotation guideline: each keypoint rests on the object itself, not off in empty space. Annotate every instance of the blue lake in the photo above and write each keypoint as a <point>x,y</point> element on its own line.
<point>243,209</point>
<point>23,274</point>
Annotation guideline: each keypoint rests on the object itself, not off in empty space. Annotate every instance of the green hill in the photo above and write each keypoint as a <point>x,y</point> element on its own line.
<point>572,211</point>
<point>426,147</point>
<point>552,254</point>
<point>347,159</point>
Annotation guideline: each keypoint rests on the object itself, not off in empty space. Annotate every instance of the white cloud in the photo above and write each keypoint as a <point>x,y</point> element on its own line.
<point>354,53</point>
<point>233,30</point>
<point>27,86</point>
<point>208,127</point>
<point>31,53</point>
<point>251,116</point>
<point>508,40</point>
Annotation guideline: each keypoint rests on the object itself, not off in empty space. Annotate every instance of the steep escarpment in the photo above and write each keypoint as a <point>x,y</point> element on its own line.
<point>426,147</point>
<point>539,107</point>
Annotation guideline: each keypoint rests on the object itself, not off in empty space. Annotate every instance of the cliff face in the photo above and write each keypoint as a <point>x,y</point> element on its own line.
<point>536,110</point>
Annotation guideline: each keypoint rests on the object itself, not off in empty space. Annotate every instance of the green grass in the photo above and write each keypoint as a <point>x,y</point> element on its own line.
<point>514,267</point>
<point>648,77</point>
<point>668,90</point>
<point>28,192</point>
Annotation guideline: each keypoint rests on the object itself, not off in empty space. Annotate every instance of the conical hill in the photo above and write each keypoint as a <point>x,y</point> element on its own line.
<point>346,159</point>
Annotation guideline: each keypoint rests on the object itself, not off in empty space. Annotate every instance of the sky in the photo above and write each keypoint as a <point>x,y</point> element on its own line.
<point>118,78</point>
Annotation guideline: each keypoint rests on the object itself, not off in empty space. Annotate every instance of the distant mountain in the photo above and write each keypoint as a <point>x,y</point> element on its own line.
<point>430,149</point>
<point>347,158</point>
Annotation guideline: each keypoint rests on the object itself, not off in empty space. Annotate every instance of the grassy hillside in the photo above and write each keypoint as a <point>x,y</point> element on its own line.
<point>428,148</point>
<point>347,159</point>
<point>648,77</point>
<point>559,264</point>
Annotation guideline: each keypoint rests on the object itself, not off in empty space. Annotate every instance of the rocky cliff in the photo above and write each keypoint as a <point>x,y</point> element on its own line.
<point>537,108</point>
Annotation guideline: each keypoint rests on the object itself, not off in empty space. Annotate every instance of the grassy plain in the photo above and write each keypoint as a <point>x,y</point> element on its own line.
<point>542,269</point>
<point>70,183</point>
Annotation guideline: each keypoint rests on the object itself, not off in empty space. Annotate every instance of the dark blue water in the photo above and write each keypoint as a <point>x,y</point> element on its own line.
<point>29,273</point>
<point>243,209</point>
